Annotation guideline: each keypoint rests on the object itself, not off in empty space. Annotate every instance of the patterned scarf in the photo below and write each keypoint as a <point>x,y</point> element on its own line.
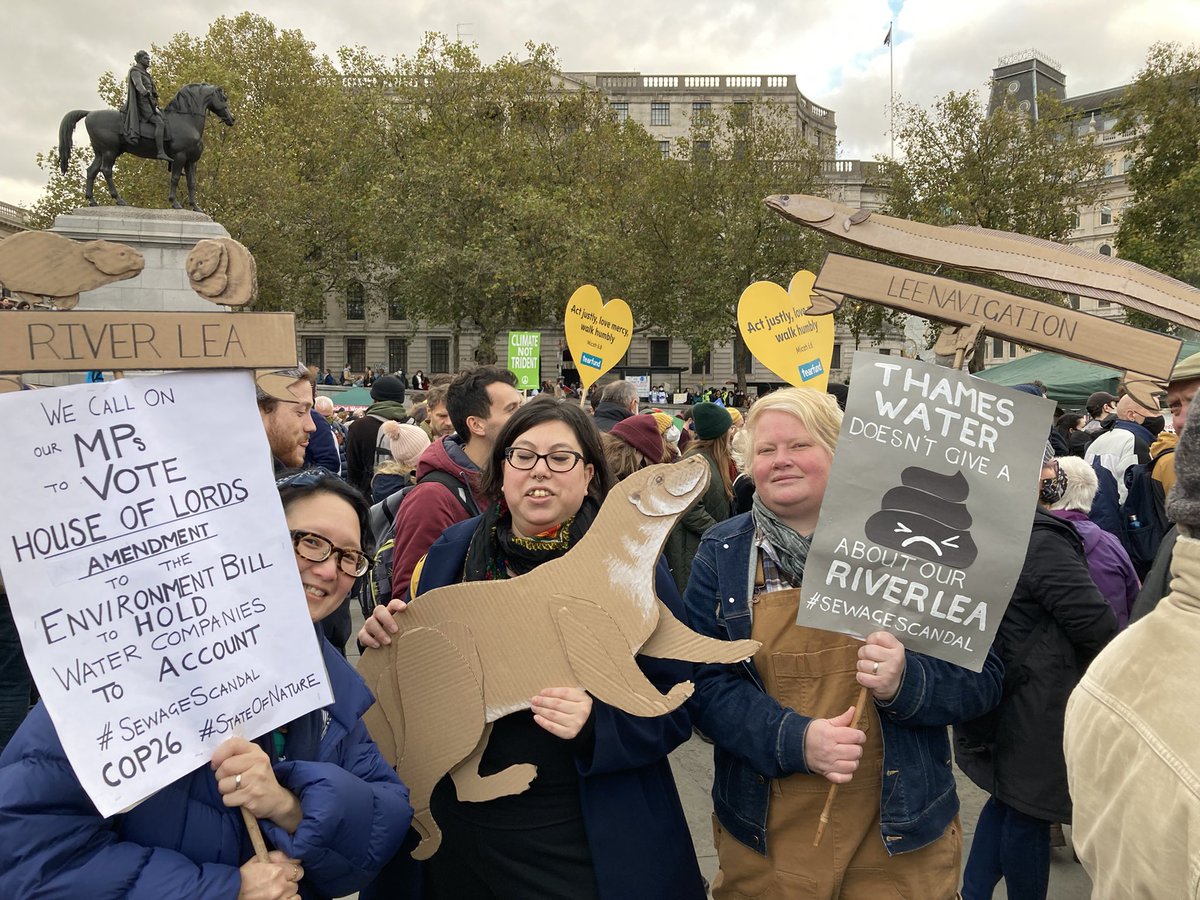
<point>791,548</point>
<point>496,551</point>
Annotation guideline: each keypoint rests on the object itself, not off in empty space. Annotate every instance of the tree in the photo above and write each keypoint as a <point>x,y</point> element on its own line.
<point>510,184</point>
<point>294,179</point>
<point>1160,228</point>
<point>1005,171</point>
<point>703,232</point>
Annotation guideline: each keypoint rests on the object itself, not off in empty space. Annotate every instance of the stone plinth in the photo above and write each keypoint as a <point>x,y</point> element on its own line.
<point>163,236</point>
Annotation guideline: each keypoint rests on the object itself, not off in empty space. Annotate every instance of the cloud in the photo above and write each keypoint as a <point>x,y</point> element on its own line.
<point>56,52</point>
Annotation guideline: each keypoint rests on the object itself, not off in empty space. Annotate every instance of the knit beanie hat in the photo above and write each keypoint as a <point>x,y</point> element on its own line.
<point>1183,503</point>
<point>711,420</point>
<point>736,415</point>
<point>407,442</point>
<point>389,387</point>
<point>664,421</point>
<point>641,433</point>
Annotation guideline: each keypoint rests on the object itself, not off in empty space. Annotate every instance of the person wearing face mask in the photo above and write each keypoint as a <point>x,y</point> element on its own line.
<point>1055,624</point>
<point>1128,442</point>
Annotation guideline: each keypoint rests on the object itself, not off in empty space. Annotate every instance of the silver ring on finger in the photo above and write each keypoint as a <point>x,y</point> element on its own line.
<point>295,873</point>
<point>237,782</point>
<point>875,669</point>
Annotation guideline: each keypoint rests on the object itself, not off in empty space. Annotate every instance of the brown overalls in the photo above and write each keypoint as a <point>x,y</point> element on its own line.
<point>812,672</point>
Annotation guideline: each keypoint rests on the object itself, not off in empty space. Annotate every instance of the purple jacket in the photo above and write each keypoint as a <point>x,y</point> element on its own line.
<point>1108,563</point>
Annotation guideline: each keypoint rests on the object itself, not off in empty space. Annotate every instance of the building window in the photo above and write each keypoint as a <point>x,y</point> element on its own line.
<point>664,147</point>
<point>997,348</point>
<point>660,113</point>
<point>701,148</point>
<point>397,355</point>
<point>621,108</point>
<point>355,301</point>
<point>885,351</point>
<point>836,361</point>
<point>439,354</point>
<point>741,112</point>
<point>1073,301</point>
<point>700,109</point>
<point>395,308</point>
<point>314,352</point>
<point>1012,350</point>
<point>1106,215</point>
<point>702,365</point>
<point>1108,168</point>
<point>1075,220</point>
<point>1105,250</point>
<point>660,353</point>
<point>356,355</point>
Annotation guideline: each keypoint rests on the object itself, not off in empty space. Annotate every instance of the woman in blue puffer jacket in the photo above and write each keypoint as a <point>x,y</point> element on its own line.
<point>326,800</point>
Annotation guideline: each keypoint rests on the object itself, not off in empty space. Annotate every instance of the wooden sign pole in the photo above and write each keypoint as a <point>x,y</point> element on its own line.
<point>860,707</point>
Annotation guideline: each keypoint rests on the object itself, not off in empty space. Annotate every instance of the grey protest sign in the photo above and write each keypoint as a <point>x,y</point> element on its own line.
<point>925,522</point>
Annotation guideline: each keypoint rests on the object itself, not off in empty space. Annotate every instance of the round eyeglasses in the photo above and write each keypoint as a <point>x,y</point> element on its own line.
<point>316,548</point>
<point>556,460</point>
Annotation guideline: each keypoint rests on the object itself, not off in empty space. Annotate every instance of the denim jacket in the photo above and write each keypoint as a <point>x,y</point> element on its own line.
<point>757,739</point>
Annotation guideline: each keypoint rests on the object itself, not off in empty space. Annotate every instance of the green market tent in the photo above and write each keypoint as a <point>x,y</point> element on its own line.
<point>358,396</point>
<point>1068,381</point>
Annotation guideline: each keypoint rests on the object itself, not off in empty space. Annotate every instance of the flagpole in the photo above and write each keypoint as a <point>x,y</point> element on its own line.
<point>892,85</point>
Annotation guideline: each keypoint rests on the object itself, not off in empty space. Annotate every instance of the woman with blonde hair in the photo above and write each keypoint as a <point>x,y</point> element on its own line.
<point>782,723</point>
<point>713,429</point>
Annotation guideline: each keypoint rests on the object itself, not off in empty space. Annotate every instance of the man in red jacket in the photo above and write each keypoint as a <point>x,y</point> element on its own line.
<point>480,401</point>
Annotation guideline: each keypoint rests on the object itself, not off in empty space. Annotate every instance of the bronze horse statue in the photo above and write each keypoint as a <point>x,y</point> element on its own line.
<point>185,116</point>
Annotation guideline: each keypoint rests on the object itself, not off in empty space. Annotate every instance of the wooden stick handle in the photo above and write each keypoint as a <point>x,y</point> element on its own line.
<point>859,707</point>
<point>255,832</point>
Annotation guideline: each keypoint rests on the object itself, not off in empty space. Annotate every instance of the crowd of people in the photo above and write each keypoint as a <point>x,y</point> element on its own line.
<point>492,485</point>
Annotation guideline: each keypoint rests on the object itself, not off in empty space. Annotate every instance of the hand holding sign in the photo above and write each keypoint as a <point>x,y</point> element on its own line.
<point>598,333</point>
<point>795,346</point>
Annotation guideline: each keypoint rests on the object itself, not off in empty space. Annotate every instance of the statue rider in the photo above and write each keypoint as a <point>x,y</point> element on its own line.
<point>141,104</point>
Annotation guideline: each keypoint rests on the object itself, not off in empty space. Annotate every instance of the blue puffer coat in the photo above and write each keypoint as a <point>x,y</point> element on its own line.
<point>183,842</point>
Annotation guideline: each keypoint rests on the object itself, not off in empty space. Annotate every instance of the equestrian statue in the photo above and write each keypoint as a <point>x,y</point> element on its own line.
<point>140,128</point>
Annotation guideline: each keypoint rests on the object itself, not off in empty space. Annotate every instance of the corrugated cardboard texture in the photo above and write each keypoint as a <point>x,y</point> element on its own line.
<point>79,341</point>
<point>471,653</point>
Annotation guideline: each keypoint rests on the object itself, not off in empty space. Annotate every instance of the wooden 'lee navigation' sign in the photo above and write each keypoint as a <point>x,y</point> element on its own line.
<point>1004,315</point>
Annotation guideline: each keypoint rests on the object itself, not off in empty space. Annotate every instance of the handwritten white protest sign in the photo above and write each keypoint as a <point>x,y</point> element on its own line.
<point>151,575</point>
<point>926,520</point>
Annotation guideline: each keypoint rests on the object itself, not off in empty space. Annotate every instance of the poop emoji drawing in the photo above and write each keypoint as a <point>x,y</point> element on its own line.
<point>927,517</point>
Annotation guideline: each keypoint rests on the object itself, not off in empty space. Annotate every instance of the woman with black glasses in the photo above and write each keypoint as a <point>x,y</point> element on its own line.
<point>328,803</point>
<point>602,819</point>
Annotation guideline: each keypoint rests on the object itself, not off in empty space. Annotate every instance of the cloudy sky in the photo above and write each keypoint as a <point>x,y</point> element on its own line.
<point>54,51</point>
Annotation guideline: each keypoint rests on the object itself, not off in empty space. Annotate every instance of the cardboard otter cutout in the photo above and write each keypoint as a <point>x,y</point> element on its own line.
<point>468,654</point>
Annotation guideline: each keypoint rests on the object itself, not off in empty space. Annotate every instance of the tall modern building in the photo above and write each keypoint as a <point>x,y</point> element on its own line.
<point>358,334</point>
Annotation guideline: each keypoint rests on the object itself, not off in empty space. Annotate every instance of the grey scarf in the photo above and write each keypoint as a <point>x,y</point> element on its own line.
<point>791,547</point>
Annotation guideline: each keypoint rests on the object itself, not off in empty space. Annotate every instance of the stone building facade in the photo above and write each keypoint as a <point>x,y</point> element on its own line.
<point>361,334</point>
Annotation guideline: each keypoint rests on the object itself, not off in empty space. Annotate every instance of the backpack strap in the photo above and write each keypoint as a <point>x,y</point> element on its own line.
<point>455,486</point>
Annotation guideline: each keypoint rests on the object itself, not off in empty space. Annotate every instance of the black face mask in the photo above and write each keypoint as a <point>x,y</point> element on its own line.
<point>1154,424</point>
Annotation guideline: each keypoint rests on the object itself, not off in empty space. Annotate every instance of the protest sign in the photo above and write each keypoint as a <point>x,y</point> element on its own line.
<point>1015,318</point>
<point>151,575</point>
<point>83,340</point>
<point>598,333</point>
<point>524,358</point>
<point>795,346</point>
<point>924,525</point>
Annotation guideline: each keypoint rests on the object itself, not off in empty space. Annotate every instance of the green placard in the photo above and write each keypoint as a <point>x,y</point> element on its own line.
<point>524,358</point>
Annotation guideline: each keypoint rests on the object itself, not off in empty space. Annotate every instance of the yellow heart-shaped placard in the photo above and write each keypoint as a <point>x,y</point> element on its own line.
<point>796,347</point>
<point>598,333</point>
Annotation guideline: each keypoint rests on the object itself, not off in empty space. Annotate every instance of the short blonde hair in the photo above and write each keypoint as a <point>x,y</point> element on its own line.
<point>816,410</point>
<point>1082,485</point>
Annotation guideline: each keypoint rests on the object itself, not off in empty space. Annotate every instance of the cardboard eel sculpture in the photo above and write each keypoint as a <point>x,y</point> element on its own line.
<point>470,653</point>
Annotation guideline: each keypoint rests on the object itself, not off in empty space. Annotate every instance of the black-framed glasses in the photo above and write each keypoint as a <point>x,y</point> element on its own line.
<point>556,460</point>
<point>317,548</point>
